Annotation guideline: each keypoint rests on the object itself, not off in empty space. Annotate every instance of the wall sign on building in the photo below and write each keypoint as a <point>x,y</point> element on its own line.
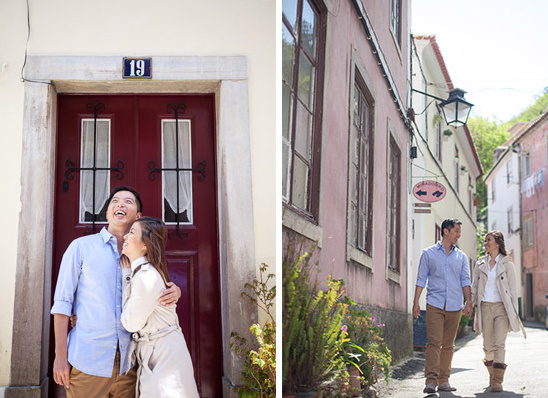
<point>137,68</point>
<point>429,191</point>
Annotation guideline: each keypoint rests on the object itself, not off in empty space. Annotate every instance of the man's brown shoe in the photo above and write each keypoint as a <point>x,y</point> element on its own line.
<point>446,387</point>
<point>429,389</point>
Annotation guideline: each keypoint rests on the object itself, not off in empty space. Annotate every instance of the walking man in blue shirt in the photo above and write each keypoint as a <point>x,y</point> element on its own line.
<point>95,360</point>
<point>445,272</point>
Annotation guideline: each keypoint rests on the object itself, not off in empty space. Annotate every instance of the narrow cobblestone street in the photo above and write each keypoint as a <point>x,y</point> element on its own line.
<point>526,375</point>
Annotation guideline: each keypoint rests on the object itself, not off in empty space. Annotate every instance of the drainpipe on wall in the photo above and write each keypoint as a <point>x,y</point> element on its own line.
<point>522,270</point>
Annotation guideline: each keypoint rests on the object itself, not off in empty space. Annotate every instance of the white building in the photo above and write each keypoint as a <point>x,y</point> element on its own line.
<point>503,200</point>
<point>446,156</point>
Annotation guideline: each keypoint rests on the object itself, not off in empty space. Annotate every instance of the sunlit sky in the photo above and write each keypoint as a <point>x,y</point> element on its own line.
<point>495,50</point>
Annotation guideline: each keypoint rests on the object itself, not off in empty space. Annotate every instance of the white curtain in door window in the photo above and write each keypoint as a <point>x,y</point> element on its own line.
<point>169,160</point>
<point>102,177</point>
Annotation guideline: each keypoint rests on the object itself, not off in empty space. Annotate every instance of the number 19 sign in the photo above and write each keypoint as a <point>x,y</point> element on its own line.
<point>137,68</point>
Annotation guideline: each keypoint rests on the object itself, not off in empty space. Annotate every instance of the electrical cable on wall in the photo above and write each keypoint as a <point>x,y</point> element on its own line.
<point>23,78</point>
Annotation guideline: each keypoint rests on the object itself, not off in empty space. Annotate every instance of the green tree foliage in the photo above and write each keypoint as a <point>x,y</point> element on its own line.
<point>537,109</point>
<point>487,136</point>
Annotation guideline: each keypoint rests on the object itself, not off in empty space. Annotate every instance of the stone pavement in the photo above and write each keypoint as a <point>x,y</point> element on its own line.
<point>525,377</point>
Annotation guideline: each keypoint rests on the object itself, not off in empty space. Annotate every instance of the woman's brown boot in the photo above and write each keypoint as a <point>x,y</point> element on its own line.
<point>498,376</point>
<point>489,366</point>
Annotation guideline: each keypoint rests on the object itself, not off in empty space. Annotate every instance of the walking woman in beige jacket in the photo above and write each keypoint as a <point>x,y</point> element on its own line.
<point>494,297</point>
<point>165,366</point>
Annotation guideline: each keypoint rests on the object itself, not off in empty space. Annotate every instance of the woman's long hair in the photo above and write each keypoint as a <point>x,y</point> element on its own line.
<point>499,240</point>
<point>154,236</point>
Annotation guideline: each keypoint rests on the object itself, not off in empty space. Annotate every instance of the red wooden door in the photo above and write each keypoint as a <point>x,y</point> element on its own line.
<point>135,136</point>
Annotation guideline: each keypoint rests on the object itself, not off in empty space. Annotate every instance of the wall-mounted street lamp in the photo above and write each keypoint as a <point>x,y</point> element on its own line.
<point>455,108</point>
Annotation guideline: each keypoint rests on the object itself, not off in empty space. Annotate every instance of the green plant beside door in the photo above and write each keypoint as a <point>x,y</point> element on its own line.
<point>259,372</point>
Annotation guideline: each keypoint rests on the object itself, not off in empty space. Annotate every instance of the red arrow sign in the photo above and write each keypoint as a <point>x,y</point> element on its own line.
<point>429,191</point>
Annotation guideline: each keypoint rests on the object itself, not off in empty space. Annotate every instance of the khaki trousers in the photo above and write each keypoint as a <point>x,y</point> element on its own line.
<point>441,331</point>
<point>495,326</point>
<point>83,385</point>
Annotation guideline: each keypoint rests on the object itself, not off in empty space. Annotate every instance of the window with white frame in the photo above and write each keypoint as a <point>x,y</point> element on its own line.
<point>177,186</point>
<point>509,172</point>
<point>94,153</point>
<point>493,190</point>
<point>528,233</point>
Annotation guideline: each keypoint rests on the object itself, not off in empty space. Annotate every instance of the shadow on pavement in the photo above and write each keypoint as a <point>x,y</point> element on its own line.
<point>415,366</point>
<point>504,394</point>
<point>463,340</point>
<point>410,368</point>
<point>485,394</point>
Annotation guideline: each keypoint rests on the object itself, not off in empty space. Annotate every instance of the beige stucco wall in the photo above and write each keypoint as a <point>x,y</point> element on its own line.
<point>11,124</point>
<point>135,28</point>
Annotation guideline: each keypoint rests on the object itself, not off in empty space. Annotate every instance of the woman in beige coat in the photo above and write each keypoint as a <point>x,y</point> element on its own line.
<point>494,297</point>
<point>165,366</point>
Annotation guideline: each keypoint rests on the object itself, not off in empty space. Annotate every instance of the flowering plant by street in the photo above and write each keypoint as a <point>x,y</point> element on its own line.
<point>259,373</point>
<point>373,356</point>
<point>351,352</point>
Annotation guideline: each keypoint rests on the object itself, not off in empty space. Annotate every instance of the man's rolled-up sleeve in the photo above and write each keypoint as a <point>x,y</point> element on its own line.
<point>465,273</point>
<point>67,282</point>
<point>422,274</point>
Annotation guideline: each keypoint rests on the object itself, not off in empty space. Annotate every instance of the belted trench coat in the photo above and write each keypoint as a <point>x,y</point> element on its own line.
<point>507,287</point>
<point>165,366</point>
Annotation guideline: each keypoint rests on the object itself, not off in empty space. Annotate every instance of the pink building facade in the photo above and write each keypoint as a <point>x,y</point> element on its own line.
<point>532,146</point>
<point>346,141</point>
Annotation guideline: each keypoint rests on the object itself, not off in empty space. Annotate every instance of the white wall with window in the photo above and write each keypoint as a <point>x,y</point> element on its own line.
<point>504,204</point>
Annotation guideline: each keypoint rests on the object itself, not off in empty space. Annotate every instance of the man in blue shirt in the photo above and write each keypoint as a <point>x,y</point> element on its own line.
<point>90,286</point>
<point>446,271</point>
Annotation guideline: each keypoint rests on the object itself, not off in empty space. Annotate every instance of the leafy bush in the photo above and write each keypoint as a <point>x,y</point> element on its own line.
<point>372,355</point>
<point>312,321</point>
<point>259,373</point>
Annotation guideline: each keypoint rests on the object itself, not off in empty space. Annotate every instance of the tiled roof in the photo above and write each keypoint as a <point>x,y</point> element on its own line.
<point>437,51</point>
<point>523,130</point>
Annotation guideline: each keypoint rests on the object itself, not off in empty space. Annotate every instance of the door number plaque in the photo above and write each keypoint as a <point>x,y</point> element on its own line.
<point>137,68</point>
